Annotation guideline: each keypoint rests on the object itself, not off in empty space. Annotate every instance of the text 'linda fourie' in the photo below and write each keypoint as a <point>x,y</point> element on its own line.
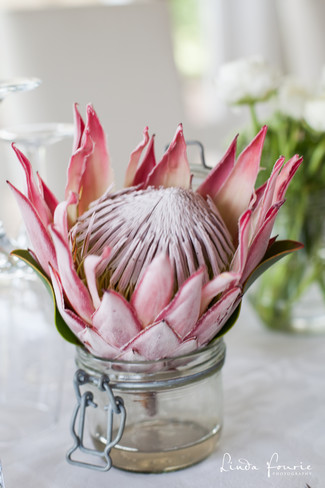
<point>272,467</point>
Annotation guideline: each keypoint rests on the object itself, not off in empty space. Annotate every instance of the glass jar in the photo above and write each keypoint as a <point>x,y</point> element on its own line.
<point>173,408</point>
<point>32,358</point>
<point>290,297</point>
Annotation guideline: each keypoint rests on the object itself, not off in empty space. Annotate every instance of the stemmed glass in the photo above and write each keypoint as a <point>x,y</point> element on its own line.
<point>33,140</point>
<point>2,483</point>
<point>32,358</point>
<point>13,85</point>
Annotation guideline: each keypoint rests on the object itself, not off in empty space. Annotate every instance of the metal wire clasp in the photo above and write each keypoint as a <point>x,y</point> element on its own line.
<point>115,406</point>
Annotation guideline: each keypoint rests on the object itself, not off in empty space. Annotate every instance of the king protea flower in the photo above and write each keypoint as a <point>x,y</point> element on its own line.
<point>156,269</point>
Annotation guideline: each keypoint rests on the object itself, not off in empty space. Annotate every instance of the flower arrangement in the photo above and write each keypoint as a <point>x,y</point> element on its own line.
<point>296,124</point>
<point>156,269</point>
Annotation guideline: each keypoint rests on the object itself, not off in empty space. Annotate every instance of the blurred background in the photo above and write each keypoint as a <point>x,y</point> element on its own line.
<point>142,62</point>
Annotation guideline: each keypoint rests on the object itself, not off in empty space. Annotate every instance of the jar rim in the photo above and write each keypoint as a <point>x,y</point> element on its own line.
<point>158,374</point>
<point>216,344</point>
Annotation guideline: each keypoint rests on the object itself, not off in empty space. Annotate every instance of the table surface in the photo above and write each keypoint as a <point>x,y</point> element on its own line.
<point>274,415</point>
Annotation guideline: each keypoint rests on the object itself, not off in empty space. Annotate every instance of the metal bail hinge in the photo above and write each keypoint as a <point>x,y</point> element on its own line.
<point>115,406</point>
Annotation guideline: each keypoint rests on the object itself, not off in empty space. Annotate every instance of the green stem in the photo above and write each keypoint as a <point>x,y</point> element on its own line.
<point>256,124</point>
<point>317,158</point>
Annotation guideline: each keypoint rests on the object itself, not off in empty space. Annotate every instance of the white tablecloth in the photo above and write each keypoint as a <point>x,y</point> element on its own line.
<point>274,412</point>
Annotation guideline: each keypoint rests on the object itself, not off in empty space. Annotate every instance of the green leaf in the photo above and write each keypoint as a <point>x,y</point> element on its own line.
<point>61,326</point>
<point>278,250</point>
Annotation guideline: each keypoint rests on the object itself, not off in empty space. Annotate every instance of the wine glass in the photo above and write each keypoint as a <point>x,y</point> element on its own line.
<point>32,357</point>
<point>33,140</point>
<point>15,85</point>
<point>2,483</point>
<point>8,86</point>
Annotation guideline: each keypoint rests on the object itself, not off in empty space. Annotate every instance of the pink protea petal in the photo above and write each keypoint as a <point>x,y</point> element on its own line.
<point>186,347</point>
<point>258,195</point>
<point>33,193</point>
<point>61,215</point>
<point>49,198</point>
<point>91,264</point>
<point>173,169</point>
<point>216,286</point>
<point>267,195</point>
<point>183,312</point>
<point>213,320</point>
<point>38,234</point>
<point>98,174</point>
<point>157,341</point>
<point>136,363</point>
<point>285,177</point>
<point>240,257</point>
<point>135,158</point>
<point>79,126</point>
<point>96,344</point>
<point>218,176</point>
<point>147,165</point>
<point>130,355</point>
<point>154,290</point>
<point>76,292</point>
<point>234,197</point>
<point>261,240</point>
<point>115,320</point>
<point>75,173</point>
<point>89,172</point>
<point>75,323</point>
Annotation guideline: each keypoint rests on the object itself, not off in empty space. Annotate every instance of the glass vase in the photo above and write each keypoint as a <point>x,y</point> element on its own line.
<point>290,296</point>
<point>32,358</point>
<point>173,408</point>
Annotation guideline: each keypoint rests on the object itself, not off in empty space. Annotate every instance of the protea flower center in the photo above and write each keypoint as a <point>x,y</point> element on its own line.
<point>137,225</point>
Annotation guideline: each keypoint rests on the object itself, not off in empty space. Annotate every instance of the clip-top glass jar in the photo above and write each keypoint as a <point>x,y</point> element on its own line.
<point>173,408</point>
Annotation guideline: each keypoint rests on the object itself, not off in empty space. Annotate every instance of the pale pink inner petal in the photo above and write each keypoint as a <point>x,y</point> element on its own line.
<point>115,320</point>
<point>216,286</point>
<point>96,344</point>
<point>157,341</point>
<point>75,290</point>
<point>90,265</point>
<point>186,347</point>
<point>73,320</point>
<point>184,310</point>
<point>215,318</point>
<point>154,290</point>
